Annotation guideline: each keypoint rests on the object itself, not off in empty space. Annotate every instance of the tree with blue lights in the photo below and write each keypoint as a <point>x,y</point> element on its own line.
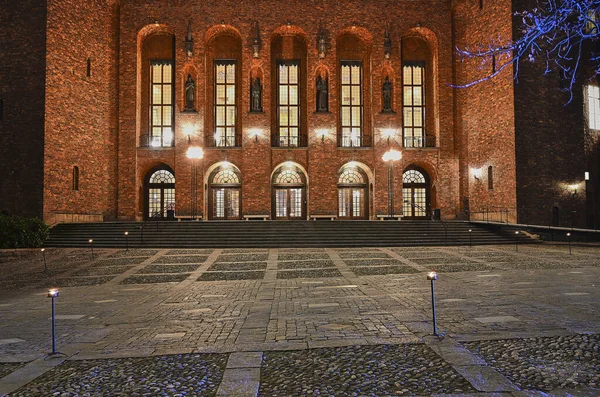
<point>555,32</point>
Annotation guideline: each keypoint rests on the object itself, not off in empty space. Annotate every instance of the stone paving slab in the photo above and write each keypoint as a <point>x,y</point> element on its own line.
<point>223,313</point>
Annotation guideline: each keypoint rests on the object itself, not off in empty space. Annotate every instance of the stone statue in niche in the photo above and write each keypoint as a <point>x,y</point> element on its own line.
<point>190,93</point>
<point>256,96</point>
<point>386,93</point>
<point>322,94</point>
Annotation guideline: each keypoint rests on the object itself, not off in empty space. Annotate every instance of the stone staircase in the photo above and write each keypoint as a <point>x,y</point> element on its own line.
<point>259,234</point>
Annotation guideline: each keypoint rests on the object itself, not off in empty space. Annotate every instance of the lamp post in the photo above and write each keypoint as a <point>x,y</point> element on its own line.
<point>390,156</point>
<point>53,293</point>
<point>91,246</point>
<point>433,276</point>
<point>45,263</point>
<point>194,153</point>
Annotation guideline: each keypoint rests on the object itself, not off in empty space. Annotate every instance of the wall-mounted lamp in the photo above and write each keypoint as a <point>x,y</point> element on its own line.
<point>189,130</point>
<point>388,133</point>
<point>322,134</point>
<point>255,133</point>
<point>477,173</point>
<point>586,176</point>
<point>573,189</point>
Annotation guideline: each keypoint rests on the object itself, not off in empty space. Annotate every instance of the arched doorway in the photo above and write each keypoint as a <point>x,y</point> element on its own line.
<point>352,194</point>
<point>415,193</point>
<point>224,200</point>
<point>160,192</point>
<point>289,193</point>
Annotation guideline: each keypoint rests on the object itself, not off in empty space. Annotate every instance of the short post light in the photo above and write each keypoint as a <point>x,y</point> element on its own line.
<point>433,276</point>
<point>470,237</point>
<point>390,156</point>
<point>91,241</point>
<point>53,294</point>
<point>45,263</point>
<point>517,240</point>
<point>126,241</point>
<point>569,241</point>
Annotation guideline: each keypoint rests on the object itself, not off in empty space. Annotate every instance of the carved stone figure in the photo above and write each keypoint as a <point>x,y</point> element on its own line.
<point>322,94</point>
<point>190,93</point>
<point>387,95</point>
<point>256,96</point>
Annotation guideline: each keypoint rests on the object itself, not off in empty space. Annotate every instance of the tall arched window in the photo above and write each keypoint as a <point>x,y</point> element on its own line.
<point>416,72</point>
<point>160,193</point>
<point>352,194</point>
<point>353,58</point>
<point>224,54</point>
<point>288,53</point>
<point>158,90</point>
<point>225,201</point>
<point>289,193</point>
<point>415,193</point>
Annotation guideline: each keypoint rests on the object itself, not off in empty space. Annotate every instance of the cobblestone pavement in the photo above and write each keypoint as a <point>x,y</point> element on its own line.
<point>343,322</point>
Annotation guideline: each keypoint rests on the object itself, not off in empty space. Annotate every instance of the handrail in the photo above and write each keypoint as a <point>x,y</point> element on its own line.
<point>155,216</point>
<point>428,214</point>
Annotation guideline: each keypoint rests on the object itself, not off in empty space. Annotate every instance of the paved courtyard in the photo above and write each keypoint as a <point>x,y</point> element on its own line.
<point>303,322</point>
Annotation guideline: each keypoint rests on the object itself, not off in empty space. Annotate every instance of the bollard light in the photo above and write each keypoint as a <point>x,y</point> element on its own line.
<point>433,276</point>
<point>45,263</point>
<point>517,240</point>
<point>126,241</point>
<point>91,246</point>
<point>569,240</point>
<point>53,294</point>
<point>470,237</point>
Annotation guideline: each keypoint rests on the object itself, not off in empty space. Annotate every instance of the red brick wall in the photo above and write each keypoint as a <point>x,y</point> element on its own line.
<point>80,127</point>
<point>322,160</point>
<point>22,78</point>
<point>554,147</point>
<point>485,112</point>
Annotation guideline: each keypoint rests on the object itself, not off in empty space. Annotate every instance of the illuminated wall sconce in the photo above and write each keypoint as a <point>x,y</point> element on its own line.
<point>573,189</point>
<point>255,133</point>
<point>189,130</point>
<point>477,173</point>
<point>587,176</point>
<point>322,134</point>
<point>388,133</point>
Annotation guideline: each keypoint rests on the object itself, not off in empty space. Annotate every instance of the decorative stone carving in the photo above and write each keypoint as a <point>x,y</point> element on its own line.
<point>256,95</point>
<point>190,93</point>
<point>322,94</point>
<point>386,93</point>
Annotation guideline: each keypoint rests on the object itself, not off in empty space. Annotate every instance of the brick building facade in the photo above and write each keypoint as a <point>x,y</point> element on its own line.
<point>294,105</point>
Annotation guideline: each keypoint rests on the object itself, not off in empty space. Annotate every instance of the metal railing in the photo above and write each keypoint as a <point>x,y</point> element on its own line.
<point>419,141</point>
<point>494,214</point>
<point>222,141</point>
<point>429,216</point>
<point>146,140</point>
<point>289,141</point>
<point>356,142</point>
<point>155,217</point>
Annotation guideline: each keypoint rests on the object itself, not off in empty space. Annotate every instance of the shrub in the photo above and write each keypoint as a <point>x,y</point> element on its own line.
<point>21,232</point>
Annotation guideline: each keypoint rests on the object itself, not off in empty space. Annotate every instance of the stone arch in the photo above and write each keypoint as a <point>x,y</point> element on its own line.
<point>223,197</point>
<point>218,30</point>
<point>289,197</point>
